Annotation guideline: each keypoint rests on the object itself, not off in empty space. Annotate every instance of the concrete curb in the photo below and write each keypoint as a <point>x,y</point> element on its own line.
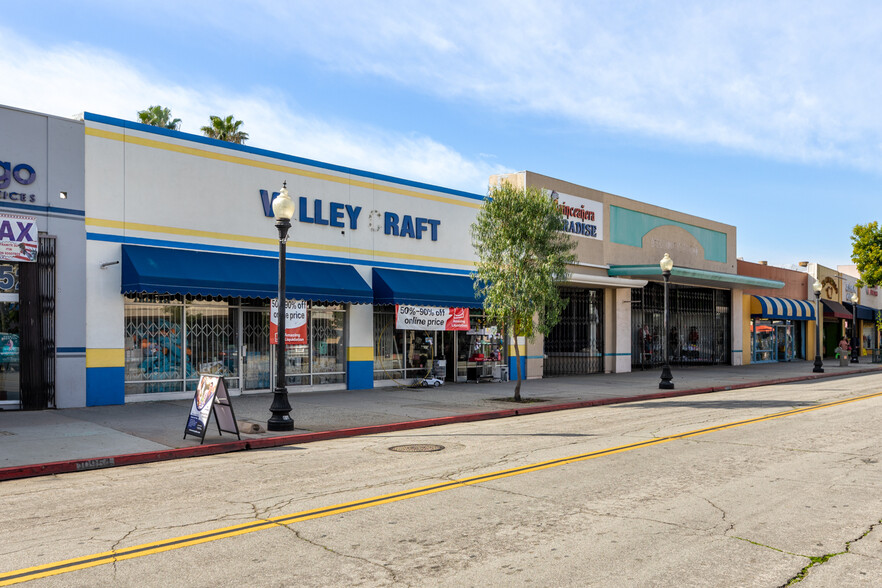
<point>78,465</point>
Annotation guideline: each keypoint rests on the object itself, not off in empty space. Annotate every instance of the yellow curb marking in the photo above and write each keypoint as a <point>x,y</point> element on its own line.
<point>107,557</point>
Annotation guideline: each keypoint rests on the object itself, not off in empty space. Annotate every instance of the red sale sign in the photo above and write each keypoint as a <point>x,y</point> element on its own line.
<point>431,318</point>
<point>295,322</point>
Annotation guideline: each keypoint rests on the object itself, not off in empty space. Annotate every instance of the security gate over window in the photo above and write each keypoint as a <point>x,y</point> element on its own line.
<point>575,345</point>
<point>699,327</point>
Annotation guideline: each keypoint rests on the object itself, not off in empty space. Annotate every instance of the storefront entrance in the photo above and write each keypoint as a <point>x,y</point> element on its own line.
<point>575,345</point>
<point>10,363</point>
<point>772,341</point>
<point>699,328</point>
<point>256,357</point>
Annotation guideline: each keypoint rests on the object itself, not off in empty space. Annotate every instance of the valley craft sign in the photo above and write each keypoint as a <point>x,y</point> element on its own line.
<point>346,216</point>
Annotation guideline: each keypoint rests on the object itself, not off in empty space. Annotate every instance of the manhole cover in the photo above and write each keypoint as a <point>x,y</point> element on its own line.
<point>417,448</point>
<point>6,433</point>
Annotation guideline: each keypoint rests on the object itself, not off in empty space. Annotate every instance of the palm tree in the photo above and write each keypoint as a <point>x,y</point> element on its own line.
<point>158,116</point>
<point>225,129</point>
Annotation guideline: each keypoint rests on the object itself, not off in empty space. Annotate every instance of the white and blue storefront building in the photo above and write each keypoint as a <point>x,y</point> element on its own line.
<point>182,260</point>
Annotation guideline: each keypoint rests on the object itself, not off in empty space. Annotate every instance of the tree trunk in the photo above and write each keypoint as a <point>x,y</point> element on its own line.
<point>517,390</point>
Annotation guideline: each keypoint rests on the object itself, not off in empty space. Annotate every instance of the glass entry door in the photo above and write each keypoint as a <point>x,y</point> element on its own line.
<point>785,342</point>
<point>256,356</point>
<point>10,366</point>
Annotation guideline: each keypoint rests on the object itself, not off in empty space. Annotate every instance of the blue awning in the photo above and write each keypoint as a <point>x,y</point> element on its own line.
<point>159,270</point>
<point>786,308</point>
<point>864,313</point>
<point>423,289</point>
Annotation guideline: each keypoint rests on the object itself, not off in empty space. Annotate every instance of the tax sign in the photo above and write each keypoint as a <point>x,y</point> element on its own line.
<point>295,322</point>
<point>18,238</point>
<point>431,318</point>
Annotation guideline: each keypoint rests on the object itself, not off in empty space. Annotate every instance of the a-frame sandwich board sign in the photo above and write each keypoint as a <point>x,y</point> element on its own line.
<point>211,397</point>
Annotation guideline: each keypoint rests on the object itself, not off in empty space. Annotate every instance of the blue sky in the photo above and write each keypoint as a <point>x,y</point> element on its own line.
<point>763,115</point>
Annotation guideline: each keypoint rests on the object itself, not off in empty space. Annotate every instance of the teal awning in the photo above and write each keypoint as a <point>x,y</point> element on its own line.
<point>159,270</point>
<point>688,275</point>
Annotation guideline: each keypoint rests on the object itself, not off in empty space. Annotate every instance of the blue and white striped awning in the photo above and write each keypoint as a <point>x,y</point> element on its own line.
<point>786,308</point>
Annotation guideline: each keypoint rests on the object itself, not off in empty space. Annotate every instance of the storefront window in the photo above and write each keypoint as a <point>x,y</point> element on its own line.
<point>328,344</point>
<point>575,344</point>
<point>698,329</point>
<point>763,341</point>
<point>407,355</point>
<point>170,341</point>
<point>774,340</point>
<point>479,350</point>
<point>10,384</point>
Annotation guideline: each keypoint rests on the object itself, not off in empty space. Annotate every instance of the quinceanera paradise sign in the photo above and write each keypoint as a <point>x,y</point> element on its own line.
<point>295,322</point>
<point>18,238</point>
<point>431,318</point>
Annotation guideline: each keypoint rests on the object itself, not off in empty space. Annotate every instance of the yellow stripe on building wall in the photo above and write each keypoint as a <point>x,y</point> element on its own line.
<point>360,354</point>
<point>97,358</point>
<point>238,160</point>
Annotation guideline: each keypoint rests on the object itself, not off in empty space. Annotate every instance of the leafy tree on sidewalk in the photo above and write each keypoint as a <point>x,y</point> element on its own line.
<point>522,253</point>
<point>867,253</point>
<point>225,129</point>
<point>158,116</point>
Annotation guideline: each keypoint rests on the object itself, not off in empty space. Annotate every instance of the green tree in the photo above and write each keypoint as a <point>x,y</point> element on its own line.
<point>158,116</point>
<point>225,129</point>
<point>522,254</point>
<point>867,253</point>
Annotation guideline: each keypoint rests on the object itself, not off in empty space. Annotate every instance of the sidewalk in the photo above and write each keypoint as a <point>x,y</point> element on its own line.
<point>66,440</point>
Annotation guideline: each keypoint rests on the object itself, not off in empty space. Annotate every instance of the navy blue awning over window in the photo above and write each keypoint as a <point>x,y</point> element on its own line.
<point>423,289</point>
<point>158,270</point>
<point>864,313</point>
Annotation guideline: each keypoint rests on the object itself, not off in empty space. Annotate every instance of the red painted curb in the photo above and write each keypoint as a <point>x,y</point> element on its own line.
<point>78,465</point>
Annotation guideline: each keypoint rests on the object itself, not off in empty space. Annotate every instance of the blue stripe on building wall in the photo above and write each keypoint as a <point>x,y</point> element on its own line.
<point>513,368</point>
<point>105,386</point>
<point>43,209</point>
<point>359,375</point>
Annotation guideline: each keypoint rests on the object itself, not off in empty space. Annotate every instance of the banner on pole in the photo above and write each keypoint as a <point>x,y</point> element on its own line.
<point>431,318</point>
<point>295,322</point>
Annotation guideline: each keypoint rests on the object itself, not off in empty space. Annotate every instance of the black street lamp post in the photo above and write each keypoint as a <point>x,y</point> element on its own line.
<point>854,330</point>
<point>818,363</point>
<point>666,264</point>
<point>283,210</point>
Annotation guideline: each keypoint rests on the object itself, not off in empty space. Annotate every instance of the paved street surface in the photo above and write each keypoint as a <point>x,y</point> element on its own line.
<point>752,487</point>
<point>87,433</point>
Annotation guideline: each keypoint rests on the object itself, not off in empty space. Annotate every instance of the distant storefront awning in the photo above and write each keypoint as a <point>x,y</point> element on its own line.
<point>785,308</point>
<point>159,270</point>
<point>423,289</point>
<point>835,309</point>
<point>864,313</point>
<point>694,277</point>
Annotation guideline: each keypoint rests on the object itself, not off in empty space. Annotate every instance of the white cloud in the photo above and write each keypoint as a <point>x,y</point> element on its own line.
<point>789,80</point>
<point>67,81</point>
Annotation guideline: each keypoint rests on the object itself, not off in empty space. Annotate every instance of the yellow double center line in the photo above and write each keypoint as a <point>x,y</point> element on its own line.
<point>107,557</point>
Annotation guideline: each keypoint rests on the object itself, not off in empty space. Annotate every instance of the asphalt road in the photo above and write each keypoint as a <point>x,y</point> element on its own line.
<point>744,488</point>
